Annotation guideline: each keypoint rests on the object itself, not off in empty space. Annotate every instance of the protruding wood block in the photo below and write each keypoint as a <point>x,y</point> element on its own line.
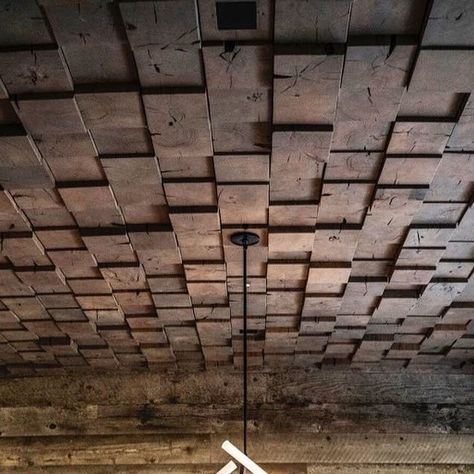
<point>297,164</point>
<point>243,204</point>
<point>344,203</point>
<point>239,67</point>
<point>286,275</point>
<point>295,21</point>
<point>449,24</point>
<point>413,170</point>
<point>161,23</point>
<point>306,87</point>
<point>191,194</point>
<point>419,137</point>
<point>444,71</point>
<point>231,168</point>
<point>124,278</point>
<point>111,110</point>
<point>169,65</point>
<point>364,104</point>
<point>291,242</point>
<point>320,273</point>
<point>377,65</point>
<point>179,124</point>
<point>292,214</point>
<point>375,17</point>
<point>50,115</point>
<point>123,141</point>
<point>368,135</point>
<point>34,71</point>
<point>23,26</point>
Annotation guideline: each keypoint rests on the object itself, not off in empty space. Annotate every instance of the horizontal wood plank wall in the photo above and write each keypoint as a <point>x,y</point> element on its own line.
<point>273,469</point>
<point>302,422</point>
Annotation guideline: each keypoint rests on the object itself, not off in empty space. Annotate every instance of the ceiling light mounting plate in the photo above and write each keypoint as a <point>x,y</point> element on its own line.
<point>245,239</point>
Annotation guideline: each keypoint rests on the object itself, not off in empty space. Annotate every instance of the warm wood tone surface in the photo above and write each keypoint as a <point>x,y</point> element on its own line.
<point>136,137</point>
<point>301,422</point>
<point>274,469</point>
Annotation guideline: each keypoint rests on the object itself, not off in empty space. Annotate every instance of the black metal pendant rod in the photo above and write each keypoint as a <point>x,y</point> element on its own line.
<point>245,239</point>
<point>245,347</point>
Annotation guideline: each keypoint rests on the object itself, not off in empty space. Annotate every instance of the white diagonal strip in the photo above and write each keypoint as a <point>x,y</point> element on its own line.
<point>229,468</point>
<point>239,456</point>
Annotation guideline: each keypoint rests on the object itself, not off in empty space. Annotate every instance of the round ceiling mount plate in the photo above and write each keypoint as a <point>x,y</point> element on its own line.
<point>245,238</point>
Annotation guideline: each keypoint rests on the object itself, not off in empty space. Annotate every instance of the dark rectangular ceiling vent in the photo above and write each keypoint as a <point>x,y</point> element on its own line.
<point>236,15</point>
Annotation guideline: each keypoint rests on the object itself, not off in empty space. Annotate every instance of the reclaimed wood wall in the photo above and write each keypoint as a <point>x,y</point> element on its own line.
<point>301,422</point>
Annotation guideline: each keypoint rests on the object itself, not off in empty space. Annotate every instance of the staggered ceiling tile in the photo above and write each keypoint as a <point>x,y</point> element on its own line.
<point>179,123</point>
<point>34,71</point>
<point>441,70</point>
<point>23,26</point>
<point>136,137</point>
<point>382,17</point>
<point>319,21</point>
<point>449,24</point>
<point>306,84</point>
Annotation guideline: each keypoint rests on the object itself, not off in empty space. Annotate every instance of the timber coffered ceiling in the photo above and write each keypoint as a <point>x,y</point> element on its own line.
<point>137,136</point>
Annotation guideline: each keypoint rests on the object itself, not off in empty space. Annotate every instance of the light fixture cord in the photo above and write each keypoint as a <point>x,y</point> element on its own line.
<point>245,344</point>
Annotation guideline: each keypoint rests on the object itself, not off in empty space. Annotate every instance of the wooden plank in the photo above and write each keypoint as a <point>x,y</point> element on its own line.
<point>111,110</point>
<point>461,138</point>
<point>167,419</point>
<point>53,115</point>
<point>297,164</point>
<point>110,63</point>
<point>393,62</point>
<point>230,168</point>
<point>219,386</point>
<point>273,468</point>
<point>360,135</point>
<point>24,26</point>
<point>112,450</point>
<point>364,104</point>
<point>434,71</point>
<point>306,87</point>
<point>179,123</point>
<point>382,469</point>
<point>344,203</point>
<point>378,18</point>
<point>295,20</point>
<point>419,137</point>
<point>34,71</point>
<point>243,204</point>
<point>389,449</point>
<point>443,28</point>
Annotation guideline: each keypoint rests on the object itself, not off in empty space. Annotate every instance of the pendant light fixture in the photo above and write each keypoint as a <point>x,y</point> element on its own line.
<point>243,239</point>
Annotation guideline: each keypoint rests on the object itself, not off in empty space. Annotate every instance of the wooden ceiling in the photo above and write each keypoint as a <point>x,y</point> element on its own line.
<point>136,137</point>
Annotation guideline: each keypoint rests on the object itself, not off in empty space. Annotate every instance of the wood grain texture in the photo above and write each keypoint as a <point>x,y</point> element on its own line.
<point>137,137</point>
<point>198,449</point>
